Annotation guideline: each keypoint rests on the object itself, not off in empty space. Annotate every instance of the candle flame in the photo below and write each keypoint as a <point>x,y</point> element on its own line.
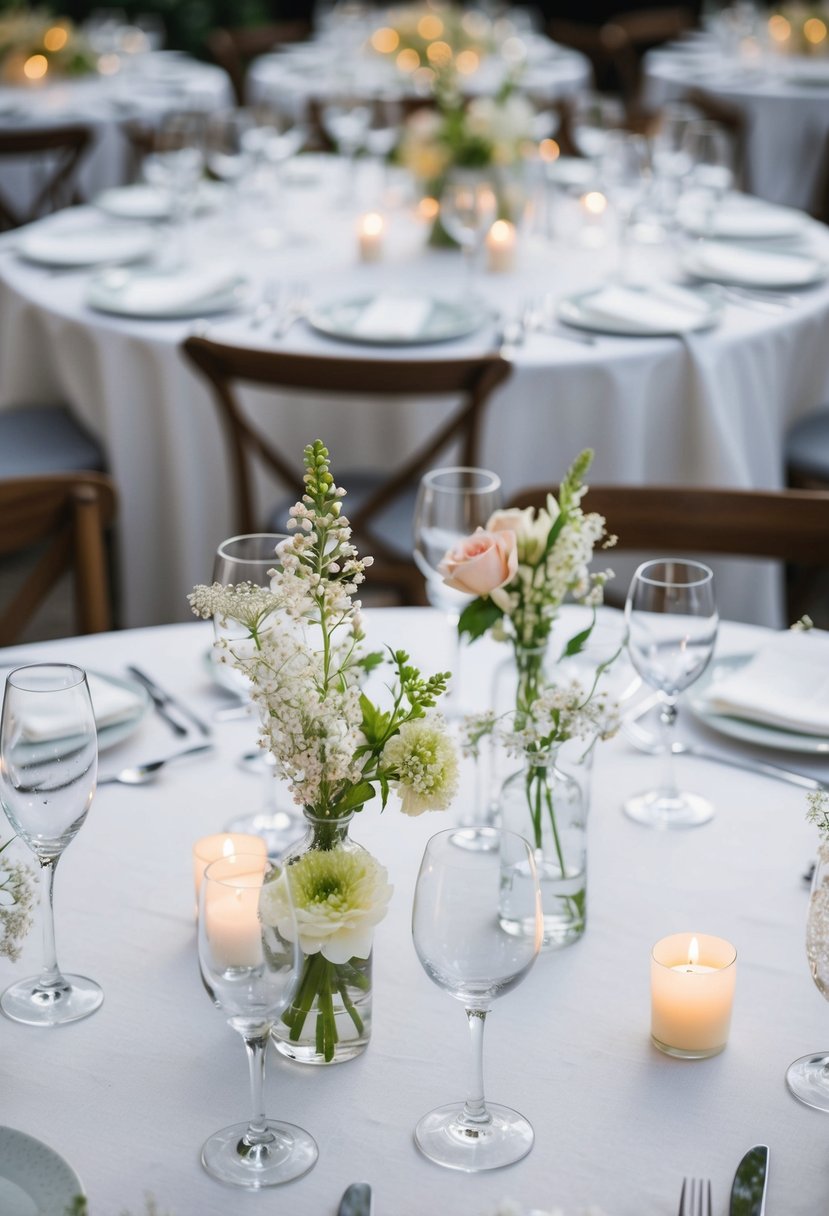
<point>35,67</point>
<point>693,953</point>
<point>501,232</point>
<point>594,202</point>
<point>227,847</point>
<point>372,224</point>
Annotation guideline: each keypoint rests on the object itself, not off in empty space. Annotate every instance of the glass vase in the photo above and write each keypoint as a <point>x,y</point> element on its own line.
<point>329,1020</point>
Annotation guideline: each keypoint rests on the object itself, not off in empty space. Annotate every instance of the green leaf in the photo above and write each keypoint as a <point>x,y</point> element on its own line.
<point>369,661</point>
<point>356,796</point>
<point>577,642</point>
<point>478,617</point>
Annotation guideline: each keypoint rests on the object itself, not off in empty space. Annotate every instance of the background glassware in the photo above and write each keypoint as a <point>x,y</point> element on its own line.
<point>231,144</point>
<point>468,208</point>
<point>593,116</point>
<point>808,1077</point>
<point>710,150</point>
<point>46,788</point>
<point>249,559</point>
<point>625,175</point>
<point>672,627</point>
<point>670,155</point>
<point>463,950</point>
<point>175,164</point>
<point>451,504</point>
<point>346,116</point>
<point>251,972</point>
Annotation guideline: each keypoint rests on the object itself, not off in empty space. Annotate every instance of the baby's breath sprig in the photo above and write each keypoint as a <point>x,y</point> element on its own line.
<point>818,812</point>
<point>17,897</point>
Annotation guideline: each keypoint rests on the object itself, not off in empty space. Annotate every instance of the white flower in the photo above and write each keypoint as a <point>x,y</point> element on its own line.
<point>426,764</point>
<point>17,896</point>
<point>339,895</point>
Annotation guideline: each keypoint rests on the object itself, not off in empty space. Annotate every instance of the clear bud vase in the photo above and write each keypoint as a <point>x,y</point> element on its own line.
<point>548,807</point>
<point>329,1020</point>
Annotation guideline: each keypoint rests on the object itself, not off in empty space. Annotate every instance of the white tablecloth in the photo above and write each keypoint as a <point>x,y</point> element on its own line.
<point>128,1095</point>
<point>709,409</point>
<point>787,114</point>
<point>150,87</point>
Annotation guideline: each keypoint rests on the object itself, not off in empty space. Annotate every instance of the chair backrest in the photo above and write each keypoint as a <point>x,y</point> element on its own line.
<point>470,379</point>
<point>66,512</point>
<point>55,155</point>
<point>787,525</point>
<point>233,49</point>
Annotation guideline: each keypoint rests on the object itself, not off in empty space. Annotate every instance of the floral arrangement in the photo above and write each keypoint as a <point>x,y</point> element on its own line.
<point>334,746</point>
<point>473,135</point>
<point>35,46</point>
<point>17,896</point>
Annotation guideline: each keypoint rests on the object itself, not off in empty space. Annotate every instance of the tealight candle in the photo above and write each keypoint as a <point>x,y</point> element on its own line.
<point>692,991</point>
<point>370,237</point>
<point>500,247</point>
<point>225,844</point>
<point>593,207</point>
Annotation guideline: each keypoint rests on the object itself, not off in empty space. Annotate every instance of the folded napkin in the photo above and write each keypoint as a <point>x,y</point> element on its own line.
<point>659,309</point>
<point>753,267</point>
<point>111,702</point>
<point>158,293</point>
<point>786,684</point>
<point>389,317</point>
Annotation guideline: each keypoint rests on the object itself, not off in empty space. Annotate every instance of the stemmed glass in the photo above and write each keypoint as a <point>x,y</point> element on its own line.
<point>250,559</point>
<point>251,970</point>
<point>710,151</point>
<point>48,771</point>
<point>175,164</point>
<point>464,950</point>
<point>672,627</point>
<point>346,116</point>
<point>625,170</point>
<point>451,504</point>
<point>808,1077</point>
<point>468,208</point>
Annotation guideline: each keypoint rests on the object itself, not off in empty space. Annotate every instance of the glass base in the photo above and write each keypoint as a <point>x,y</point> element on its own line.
<point>292,1153</point>
<point>683,1053</point>
<point>808,1080</point>
<point>655,810</point>
<point>306,1053</point>
<point>278,829</point>
<point>36,1004</point>
<point>445,1139</point>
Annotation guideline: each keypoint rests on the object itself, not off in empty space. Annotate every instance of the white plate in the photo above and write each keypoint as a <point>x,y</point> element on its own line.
<point>109,735</point>
<point>62,244</point>
<point>765,269</point>
<point>575,311</point>
<point>106,294</point>
<point>742,728</point>
<point>146,202</point>
<point>34,1179</point>
<point>446,320</point>
<point>749,223</point>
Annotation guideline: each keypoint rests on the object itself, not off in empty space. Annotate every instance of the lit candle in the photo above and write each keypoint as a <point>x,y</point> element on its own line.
<point>593,206</point>
<point>692,991</point>
<point>225,844</point>
<point>500,247</point>
<point>231,911</point>
<point>370,236</point>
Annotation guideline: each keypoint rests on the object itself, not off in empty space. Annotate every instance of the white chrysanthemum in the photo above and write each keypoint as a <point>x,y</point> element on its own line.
<point>426,764</point>
<point>338,896</point>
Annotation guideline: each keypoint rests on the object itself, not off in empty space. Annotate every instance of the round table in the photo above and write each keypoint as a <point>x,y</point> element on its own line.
<point>152,85</point>
<point>706,409</point>
<point>785,101</point>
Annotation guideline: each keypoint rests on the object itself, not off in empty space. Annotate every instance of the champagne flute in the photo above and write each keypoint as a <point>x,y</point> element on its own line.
<point>48,771</point>
<point>250,965</point>
<point>251,558</point>
<point>463,949</point>
<point>672,627</point>
<point>808,1077</point>
<point>451,503</point>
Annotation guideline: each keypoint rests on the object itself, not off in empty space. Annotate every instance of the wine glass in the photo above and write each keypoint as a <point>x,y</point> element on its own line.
<point>808,1077</point>
<point>346,116</point>
<point>250,559</point>
<point>670,155</point>
<point>672,627</point>
<point>625,172</point>
<point>451,504</point>
<point>710,151</point>
<point>175,164</point>
<point>463,949</point>
<point>48,771</point>
<point>468,208</point>
<point>250,965</point>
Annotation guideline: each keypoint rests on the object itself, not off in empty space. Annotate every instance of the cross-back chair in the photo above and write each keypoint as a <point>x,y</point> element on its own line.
<point>233,49</point>
<point>379,503</point>
<point>63,515</point>
<point>55,155</point>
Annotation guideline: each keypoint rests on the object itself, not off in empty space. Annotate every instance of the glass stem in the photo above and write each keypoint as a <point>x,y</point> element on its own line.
<point>667,716</point>
<point>50,976</point>
<point>474,1108</point>
<point>256,1142</point>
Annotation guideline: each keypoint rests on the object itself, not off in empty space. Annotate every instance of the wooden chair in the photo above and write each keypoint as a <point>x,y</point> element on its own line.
<point>67,512</point>
<point>379,504</point>
<point>791,526</point>
<point>233,49</point>
<point>55,155</point>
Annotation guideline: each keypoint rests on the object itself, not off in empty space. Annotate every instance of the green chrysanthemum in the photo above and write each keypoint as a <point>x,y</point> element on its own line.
<point>426,766</point>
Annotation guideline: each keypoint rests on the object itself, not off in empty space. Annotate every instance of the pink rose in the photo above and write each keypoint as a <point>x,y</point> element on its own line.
<point>481,563</point>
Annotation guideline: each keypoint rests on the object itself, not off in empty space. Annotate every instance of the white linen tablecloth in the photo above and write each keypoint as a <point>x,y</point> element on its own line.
<point>704,409</point>
<point>129,1095</point>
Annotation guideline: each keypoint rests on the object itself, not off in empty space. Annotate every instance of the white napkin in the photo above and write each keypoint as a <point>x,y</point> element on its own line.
<point>159,293</point>
<point>388,316</point>
<point>111,702</point>
<point>68,245</point>
<point>753,267</point>
<point>658,309</point>
<point>786,684</point>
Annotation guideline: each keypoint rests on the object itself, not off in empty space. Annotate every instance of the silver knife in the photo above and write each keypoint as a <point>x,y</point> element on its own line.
<point>748,1191</point>
<point>161,700</point>
<point>356,1200</point>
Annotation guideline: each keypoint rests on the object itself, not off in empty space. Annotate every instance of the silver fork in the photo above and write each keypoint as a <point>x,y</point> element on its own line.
<point>695,1197</point>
